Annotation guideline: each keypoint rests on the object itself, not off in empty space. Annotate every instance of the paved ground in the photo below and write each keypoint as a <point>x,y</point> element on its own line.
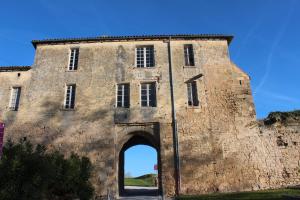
<point>141,193</point>
<point>140,198</point>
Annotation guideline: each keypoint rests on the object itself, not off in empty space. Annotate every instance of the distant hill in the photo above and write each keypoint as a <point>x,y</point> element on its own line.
<point>146,176</point>
<point>147,180</point>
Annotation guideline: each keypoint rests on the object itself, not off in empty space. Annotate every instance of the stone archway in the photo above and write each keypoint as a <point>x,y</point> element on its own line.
<point>138,138</point>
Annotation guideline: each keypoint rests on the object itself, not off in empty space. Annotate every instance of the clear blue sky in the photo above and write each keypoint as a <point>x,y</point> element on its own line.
<point>266,44</point>
<point>140,160</point>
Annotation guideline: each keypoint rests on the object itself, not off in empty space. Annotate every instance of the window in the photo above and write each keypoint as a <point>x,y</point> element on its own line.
<point>73,64</point>
<point>123,95</point>
<point>70,96</point>
<point>148,95</point>
<point>192,94</point>
<point>145,56</point>
<point>189,55</point>
<point>15,98</point>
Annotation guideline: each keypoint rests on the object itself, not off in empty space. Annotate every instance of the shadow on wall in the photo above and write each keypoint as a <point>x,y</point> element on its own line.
<point>51,122</point>
<point>96,115</point>
<point>214,173</point>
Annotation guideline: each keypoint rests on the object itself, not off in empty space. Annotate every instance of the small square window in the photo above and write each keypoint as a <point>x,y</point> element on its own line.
<point>145,56</point>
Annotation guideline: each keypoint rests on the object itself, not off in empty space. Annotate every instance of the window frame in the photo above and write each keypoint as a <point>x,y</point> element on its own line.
<point>192,94</point>
<point>17,98</point>
<point>148,94</point>
<point>144,57</point>
<point>74,59</point>
<point>122,95</point>
<point>70,96</point>
<point>188,56</point>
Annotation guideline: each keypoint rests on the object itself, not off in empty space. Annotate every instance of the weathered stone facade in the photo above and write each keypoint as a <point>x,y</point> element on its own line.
<point>221,145</point>
<point>281,141</point>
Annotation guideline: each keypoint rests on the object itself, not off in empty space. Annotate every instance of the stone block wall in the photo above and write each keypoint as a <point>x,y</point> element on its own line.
<point>281,140</point>
<point>213,136</point>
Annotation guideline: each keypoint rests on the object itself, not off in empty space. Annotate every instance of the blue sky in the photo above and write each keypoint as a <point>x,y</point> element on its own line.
<point>140,160</point>
<point>266,43</point>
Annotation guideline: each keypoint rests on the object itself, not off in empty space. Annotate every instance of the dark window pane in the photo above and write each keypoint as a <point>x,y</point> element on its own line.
<point>126,95</point>
<point>150,56</point>
<point>144,86</point>
<point>73,96</point>
<point>144,92</point>
<point>195,93</point>
<point>190,99</point>
<point>126,104</point>
<point>152,95</point>
<point>144,98</point>
<point>148,94</point>
<point>119,104</point>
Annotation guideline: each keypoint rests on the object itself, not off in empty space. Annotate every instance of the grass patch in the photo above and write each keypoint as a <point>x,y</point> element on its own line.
<point>143,181</point>
<point>254,195</point>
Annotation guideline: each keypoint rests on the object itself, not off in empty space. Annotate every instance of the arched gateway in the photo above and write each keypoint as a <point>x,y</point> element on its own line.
<point>138,138</point>
<point>151,134</point>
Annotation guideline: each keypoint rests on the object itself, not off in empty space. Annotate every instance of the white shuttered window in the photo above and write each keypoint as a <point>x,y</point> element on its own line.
<point>123,95</point>
<point>145,56</point>
<point>70,96</point>
<point>73,64</point>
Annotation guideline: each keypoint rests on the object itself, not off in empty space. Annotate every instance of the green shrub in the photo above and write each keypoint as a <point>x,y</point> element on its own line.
<point>28,172</point>
<point>282,117</point>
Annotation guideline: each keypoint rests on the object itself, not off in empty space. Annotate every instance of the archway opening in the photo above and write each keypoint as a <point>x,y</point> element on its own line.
<point>140,165</point>
<point>139,168</point>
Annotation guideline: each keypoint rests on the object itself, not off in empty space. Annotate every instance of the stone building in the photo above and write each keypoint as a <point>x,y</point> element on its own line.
<point>180,94</point>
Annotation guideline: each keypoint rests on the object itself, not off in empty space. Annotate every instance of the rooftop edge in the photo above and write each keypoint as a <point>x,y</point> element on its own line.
<point>134,37</point>
<point>14,68</point>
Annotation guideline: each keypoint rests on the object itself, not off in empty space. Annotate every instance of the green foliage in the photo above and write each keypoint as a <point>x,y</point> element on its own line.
<point>279,194</point>
<point>143,181</point>
<point>282,117</point>
<point>28,172</point>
